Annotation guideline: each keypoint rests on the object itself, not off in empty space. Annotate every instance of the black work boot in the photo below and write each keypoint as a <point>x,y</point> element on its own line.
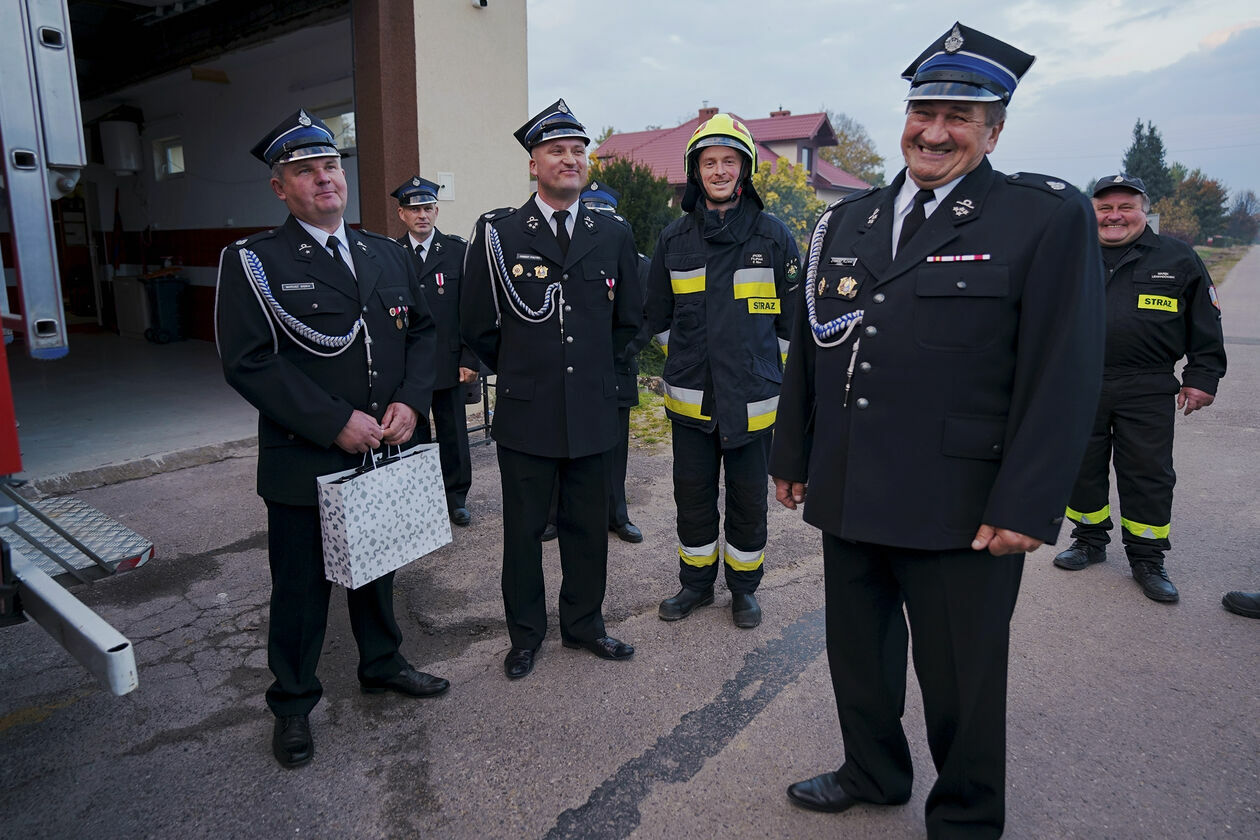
<point>684,603</point>
<point>745,610</point>
<point>1079,555</point>
<point>1151,576</point>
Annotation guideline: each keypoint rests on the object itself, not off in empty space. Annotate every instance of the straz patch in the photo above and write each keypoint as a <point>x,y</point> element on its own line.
<point>297,287</point>
<point>1157,302</point>
<point>763,306</point>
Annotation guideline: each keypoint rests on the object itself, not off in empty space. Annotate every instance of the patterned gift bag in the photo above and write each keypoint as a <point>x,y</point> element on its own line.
<point>377,519</point>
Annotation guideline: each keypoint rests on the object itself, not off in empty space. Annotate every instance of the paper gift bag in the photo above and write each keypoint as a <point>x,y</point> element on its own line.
<point>378,518</point>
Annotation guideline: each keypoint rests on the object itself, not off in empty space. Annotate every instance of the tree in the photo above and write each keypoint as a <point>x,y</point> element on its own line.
<point>1145,159</point>
<point>1243,221</point>
<point>1206,199</point>
<point>785,189</point>
<point>1177,219</point>
<point>645,199</point>
<point>855,152</point>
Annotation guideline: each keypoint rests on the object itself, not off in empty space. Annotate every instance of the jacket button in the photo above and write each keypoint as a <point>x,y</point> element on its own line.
<point>375,406</point>
<point>879,297</point>
<point>870,331</point>
<point>962,284</point>
<point>375,373</point>
<point>314,306</point>
<point>568,308</point>
<point>365,309</point>
<point>997,448</point>
<point>290,436</point>
<point>568,339</point>
<point>865,367</point>
<point>1058,520</point>
<point>564,276</point>
<point>863,403</point>
<point>569,369</point>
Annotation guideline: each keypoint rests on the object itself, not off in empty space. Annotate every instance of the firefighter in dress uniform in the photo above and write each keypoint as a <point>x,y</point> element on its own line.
<point>945,367</point>
<point>1161,306</point>
<point>551,299</point>
<point>720,297</point>
<point>439,259</point>
<point>296,310</point>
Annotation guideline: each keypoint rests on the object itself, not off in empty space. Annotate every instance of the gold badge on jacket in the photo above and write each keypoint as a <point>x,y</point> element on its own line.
<point>846,287</point>
<point>540,272</point>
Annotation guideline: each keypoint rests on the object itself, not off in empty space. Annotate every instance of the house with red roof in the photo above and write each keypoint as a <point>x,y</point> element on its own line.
<point>796,137</point>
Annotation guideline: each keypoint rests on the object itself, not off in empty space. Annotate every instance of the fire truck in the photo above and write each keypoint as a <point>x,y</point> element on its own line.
<point>41,138</point>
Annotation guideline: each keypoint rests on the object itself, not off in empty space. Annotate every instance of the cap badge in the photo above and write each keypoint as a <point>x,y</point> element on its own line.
<point>594,186</point>
<point>303,118</point>
<point>564,109</point>
<point>1119,179</point>
<point>415,182</point>
<point>1056,185</point>
<point>954,42</point>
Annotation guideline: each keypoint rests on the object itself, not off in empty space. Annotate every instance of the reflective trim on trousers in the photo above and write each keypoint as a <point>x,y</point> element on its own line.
<point>1094,517</point>
<point>705,555</point>
<point>1146,532</point>
<point>745,561</point>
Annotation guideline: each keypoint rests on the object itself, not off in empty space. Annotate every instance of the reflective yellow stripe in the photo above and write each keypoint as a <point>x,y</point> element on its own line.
<point>761,414</point>
<point>705,555</point>
<point>1141,529</point>
<point>687,282</point>
<point>784,344</point>
<point>744,561</point>
<point>684,401</point>
<point>662,339</point>
<point>754,282</point>
<point>763,306</point>
<point>1089,518</point>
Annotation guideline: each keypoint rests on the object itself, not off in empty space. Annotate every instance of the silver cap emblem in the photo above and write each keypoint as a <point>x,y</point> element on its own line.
<point>303,119</point>
<point>954,42</point>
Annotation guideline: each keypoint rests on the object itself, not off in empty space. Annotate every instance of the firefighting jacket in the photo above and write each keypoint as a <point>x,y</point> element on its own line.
<point>721,294</point>
<point>1161,305</point>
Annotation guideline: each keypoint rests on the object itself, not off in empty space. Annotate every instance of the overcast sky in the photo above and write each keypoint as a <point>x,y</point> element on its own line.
<point>1192,68</point>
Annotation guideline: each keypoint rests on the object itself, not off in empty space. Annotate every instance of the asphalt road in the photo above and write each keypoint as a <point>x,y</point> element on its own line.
<point>1127,718</point>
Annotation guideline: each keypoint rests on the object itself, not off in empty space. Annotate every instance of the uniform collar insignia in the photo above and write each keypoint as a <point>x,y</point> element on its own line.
<point>532,223</point>
<point>963,207</point>
<point>304,247</point>
<point>590,225</point>
<point>362,247</point>
<point>870,220</point>
<point>437,246</point>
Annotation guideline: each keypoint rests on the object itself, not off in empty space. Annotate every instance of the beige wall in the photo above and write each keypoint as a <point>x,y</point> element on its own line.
<point>472,93</point>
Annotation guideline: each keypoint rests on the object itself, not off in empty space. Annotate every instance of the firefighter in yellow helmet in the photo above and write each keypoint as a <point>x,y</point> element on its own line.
<point>720,298</point>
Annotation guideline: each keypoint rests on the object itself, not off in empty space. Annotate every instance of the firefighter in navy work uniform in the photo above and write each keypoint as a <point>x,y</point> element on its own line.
<point>550,298</point>
<point>945,366</point>
<point>603,198</point>
<point>295,310</point>
<point>1161,306</point>
<point>720,293</point>
<point>439,259</point>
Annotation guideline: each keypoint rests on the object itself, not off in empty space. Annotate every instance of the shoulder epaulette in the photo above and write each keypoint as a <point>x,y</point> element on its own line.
<point>255,237</point>
<point>375,235</point>
<point>1046,183</point>
<point>605,212</point>
<point>845,199</point>
<point>500,213</point>
<point>457,238</point>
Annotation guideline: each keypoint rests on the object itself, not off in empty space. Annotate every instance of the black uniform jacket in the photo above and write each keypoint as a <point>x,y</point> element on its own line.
<point>975,382</point>
<point>303,399</point>
<point>439,281</point>
<point>1161,305</point>
<point>556,387</point>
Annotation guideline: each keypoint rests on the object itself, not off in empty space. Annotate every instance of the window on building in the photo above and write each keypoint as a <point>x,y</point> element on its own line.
<point>340,121</point>
<point>168,157</point>
<point>807,158</point>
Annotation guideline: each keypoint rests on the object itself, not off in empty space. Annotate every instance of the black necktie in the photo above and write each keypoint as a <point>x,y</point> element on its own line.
<point>420,254</point>
<point>915,218</point>
<point>562,230</point>
<point>333,245</point>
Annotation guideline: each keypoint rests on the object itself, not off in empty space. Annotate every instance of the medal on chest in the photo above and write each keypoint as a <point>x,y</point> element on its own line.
<point>612,284</point>
<point>441,283</point>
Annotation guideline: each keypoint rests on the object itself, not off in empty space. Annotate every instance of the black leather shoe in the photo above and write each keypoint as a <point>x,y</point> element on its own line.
<point>1153,579</point>
<point>519,662</point>
<point>1079,555</point>
<point>745,610</point>
<point>822,793</point>
<point>291,741</point>
<point>408,681</point>
<point>461,517</point>
<point>549,533</point>
<point>605,647</point>
<point>1242,603</point>
<point>628,532</point>
<point>684,603</point>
